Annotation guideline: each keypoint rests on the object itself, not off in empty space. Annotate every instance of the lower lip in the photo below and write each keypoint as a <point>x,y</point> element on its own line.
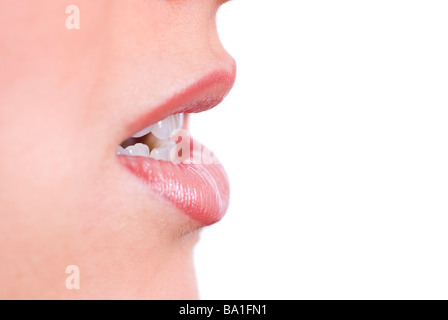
<point>201,191</point>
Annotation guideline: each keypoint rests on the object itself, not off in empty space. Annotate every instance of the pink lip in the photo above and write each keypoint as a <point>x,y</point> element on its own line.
<point>201,96</point>
<point>200,190</point>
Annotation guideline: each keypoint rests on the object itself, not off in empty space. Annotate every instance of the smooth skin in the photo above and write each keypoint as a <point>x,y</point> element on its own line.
<point>65,98</point>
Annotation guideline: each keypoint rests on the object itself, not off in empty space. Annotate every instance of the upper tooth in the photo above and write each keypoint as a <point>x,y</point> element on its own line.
<point>165,127</point>
<point>143,132</point>
<point>138,149</point>
<point>180,120</point>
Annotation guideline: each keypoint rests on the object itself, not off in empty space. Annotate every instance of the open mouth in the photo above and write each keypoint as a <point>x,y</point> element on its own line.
<point>174,166</point>
<point>153,141</point>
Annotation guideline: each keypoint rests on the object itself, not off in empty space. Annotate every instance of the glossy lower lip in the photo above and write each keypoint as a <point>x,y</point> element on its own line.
<point>199,190</point>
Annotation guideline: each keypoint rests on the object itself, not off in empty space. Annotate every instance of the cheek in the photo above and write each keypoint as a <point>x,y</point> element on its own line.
<point>56,155</point>
<point>46,79</point>
<point>46,157</point>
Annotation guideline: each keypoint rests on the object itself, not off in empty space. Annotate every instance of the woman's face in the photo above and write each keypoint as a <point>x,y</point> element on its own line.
<point>68,98</point>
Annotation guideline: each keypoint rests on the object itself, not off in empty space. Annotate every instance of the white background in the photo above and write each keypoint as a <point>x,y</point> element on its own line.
<point>335,139</point>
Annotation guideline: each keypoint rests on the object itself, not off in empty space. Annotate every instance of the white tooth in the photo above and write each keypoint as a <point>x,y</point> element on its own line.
<point>162,153</point>
<point>180,119</point>
<point>143,132</point>
<point>166,144</point>
<point>122,151</point>
<point>163,129</point>
<point>138,149</point>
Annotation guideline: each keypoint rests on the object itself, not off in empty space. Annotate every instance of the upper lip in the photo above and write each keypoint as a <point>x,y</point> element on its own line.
<point>199,96</point>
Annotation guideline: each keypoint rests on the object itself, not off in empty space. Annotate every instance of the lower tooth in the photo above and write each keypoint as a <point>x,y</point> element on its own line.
<point>138,149</point>
<point>122,151</point>
<point>162,153</point>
